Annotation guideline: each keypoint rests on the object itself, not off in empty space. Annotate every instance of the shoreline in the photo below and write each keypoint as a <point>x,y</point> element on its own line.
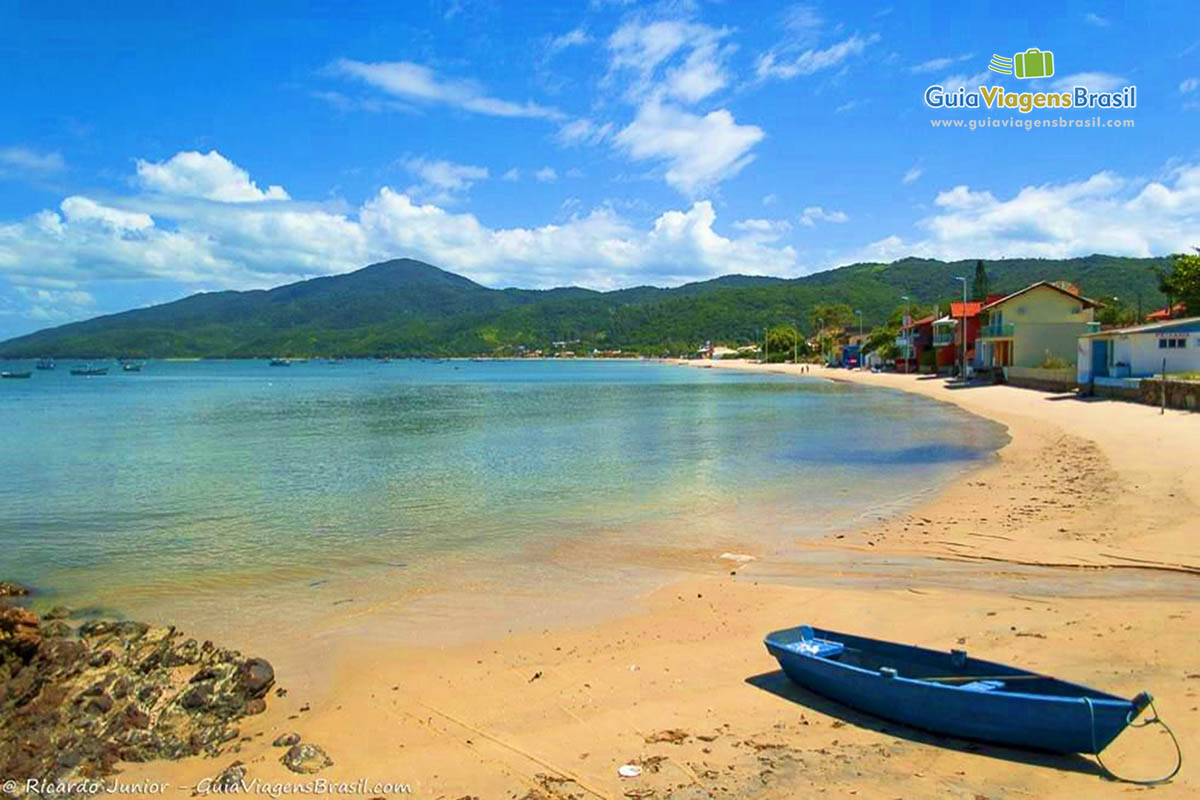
<point>681,682</point>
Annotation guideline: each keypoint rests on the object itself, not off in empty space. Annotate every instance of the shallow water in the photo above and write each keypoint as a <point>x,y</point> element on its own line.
<point>197,482</point>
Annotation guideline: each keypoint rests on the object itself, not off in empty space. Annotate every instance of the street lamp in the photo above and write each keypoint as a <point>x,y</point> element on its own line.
<point>962,373</point>
<point>908,334</point>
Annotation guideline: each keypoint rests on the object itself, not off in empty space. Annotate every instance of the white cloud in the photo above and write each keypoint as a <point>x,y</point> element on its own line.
<point>1095,81</point>
<point>210,176</point>
<point>849,105</point>
<point>546,175</point>
<point>937,64</point>
<point>82,210</point>
<point>572,38</point>
<point>1189,85</point>
<point>1096,19</point>
<point>814,214</point>
<point>88,244</point>
<point>443,181</point>
<point>698,151</point>
<point>670,58</point>
<point>584,131</point>
<point>26,160</point>
<point>513,174</point>
<point>763,230</point>
<point>912,174</point>
<point>419,83</point>
<point>777,64</point>
<point>1104,213</point>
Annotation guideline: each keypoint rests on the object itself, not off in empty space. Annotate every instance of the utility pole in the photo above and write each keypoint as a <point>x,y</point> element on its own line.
<point>860,339</point>
<point>962,374</point>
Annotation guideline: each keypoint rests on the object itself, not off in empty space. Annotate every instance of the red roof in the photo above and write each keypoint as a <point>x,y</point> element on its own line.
<point>918,322</point>
<point>1166,313</point>
<point>972,309</point>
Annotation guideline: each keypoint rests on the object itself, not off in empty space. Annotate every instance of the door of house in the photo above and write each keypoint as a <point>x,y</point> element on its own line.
<point>1099,358</point>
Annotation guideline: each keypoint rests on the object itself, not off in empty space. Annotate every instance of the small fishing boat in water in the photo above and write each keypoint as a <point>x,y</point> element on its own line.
<point>89,370</point>
<point>18,375</point>
<point>952,694</point>
<point>280,362</point>
<point>131,367</point>
<point>45,363</point>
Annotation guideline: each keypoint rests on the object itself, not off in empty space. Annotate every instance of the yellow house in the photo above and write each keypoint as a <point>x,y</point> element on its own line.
<point>1035,327</point>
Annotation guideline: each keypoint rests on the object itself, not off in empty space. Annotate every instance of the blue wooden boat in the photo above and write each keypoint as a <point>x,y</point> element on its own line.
<point>951,694</point>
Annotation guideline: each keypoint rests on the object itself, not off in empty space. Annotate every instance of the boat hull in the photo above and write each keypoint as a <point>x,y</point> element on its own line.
<point>1059,724</point>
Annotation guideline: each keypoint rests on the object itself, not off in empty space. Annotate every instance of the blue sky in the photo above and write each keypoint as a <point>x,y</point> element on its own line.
<point>154,150</point>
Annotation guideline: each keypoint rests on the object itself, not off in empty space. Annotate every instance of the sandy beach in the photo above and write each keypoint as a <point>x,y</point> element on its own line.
<point>1072,553</point>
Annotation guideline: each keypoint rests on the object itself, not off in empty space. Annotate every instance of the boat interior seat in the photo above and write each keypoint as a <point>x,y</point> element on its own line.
<point>821,648</point>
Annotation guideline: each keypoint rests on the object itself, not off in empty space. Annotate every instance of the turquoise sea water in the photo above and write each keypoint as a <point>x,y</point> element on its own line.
<point>213,477</point>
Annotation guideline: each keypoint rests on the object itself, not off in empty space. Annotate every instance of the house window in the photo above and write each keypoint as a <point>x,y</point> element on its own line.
<point>1162,344</point>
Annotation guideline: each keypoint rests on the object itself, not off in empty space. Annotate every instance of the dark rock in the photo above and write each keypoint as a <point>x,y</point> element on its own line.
<point>286,740</point>
<point>101,704</point>
<point>199,696</point>
<point>20,633</point>
<point>230,779</point>
<point>306,759</point>
<point>57,629</point>
<point>95,627</point>
<point>72,707</point>
<point>58,612</point>
<point>11,589</point>
<point>255,677</point>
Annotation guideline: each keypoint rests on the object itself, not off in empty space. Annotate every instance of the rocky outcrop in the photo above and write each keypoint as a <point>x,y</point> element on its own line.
<point>306,759</point>
<point>73,702</point>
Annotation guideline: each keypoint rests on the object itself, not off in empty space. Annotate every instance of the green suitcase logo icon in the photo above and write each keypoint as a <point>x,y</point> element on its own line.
<point>1033,63</point>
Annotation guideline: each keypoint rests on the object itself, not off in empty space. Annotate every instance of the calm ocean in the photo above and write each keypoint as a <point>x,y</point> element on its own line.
<point>219,478</point>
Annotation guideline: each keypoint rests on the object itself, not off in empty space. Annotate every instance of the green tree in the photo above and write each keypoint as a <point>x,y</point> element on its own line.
<point>784,342</point>
<point>1182,283</point>
<point>1115,313</point>
<point>980,284</point>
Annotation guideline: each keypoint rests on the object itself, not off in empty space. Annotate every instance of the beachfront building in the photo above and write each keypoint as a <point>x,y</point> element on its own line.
<point>915,344</point>
<point>1119,357</point>
<point>1032,335</point>
<point>948,340</point>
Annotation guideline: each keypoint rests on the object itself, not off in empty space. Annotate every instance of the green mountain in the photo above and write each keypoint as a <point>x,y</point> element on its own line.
<point>406,307</point>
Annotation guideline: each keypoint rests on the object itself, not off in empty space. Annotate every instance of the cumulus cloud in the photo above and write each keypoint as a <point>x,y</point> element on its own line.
<point>90,242</point>
<point>546,175</point>
<point>23,159</point>
<point>698,151</point>
<point>763,230</point>
<point>1104,213</point>
<point>443,181</point>
<point>210,176</point>
<point>814,214</point>
<point>418,83</point>
<point>671,58</point>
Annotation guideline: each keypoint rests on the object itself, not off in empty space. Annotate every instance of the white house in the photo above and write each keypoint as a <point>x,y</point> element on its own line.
<point>1139,351</point>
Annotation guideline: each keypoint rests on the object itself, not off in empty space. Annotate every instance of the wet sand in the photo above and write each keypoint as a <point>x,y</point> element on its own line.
<point>1075,553</point>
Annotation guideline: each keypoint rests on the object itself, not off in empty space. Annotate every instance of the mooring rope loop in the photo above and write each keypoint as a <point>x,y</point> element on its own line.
<point>1150,720</point>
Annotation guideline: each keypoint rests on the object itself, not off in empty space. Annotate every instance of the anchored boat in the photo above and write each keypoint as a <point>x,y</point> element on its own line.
<point>89,370</point>
<point>952,694</point>
<point>25,374</point>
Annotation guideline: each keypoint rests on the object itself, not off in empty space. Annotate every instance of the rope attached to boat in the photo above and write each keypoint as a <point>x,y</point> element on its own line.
<point>1153,718</point>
